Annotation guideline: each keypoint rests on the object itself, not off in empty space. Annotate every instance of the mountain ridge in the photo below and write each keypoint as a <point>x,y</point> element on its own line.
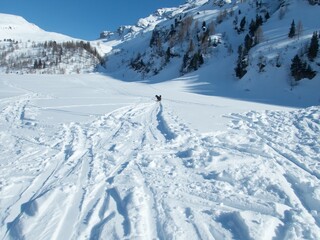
<point>17,28</point>
<point>223,16</point>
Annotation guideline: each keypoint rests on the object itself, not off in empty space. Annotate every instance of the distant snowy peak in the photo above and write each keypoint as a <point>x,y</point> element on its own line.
<point>147,23</point>
<point>17,28</point>
<point>13,21</point>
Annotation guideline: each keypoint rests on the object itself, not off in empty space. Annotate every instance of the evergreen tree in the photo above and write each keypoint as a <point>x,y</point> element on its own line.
<point>194,63</point>
<point>309,73</point>
<point>201,60</point>
<point>267,16</point>
<point>292,31</point>
<point>154,37</point>
<point>296,67</point>
<point>242,24</point>
<point>252,27</point>
<point>241,63</point>
<point>248,43</point>
<point>168,55</point>
<point>314,46</point>
<point>300,69</point>
<point>259,21</point>
<point>35,65</point>
<point>184,62</point>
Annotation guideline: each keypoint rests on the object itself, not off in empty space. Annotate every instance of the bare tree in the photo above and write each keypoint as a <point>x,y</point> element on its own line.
<point>258,36</point>
<point>299,29</point>
<point>211,28</point>
<point>185,28</point>
<point>282,12</point>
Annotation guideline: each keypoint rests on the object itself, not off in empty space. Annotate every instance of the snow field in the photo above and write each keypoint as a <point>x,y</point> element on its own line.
<point>127,167</point>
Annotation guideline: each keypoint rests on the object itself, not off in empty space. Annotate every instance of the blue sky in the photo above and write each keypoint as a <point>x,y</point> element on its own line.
<point>82,18</point>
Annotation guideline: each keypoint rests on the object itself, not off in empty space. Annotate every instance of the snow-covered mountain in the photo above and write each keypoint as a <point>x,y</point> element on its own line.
<point>25,48</point>
<point>94,156</point>
<point>198,34</point>
<point>17,28</point>
<point>207,34</point>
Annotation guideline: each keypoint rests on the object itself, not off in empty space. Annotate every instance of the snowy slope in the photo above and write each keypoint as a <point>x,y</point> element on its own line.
<point>274,48</point>
<point>91,157</point>
<point>18,29</point>
<point>27,49</point>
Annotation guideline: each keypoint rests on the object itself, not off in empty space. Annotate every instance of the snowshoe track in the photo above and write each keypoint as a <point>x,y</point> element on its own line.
<point>139,173</point>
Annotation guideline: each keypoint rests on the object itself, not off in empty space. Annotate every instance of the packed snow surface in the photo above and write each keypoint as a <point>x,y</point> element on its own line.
<point>91,157</point>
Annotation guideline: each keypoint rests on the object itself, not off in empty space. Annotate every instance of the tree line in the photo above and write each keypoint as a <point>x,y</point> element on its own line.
<point>48,57</point>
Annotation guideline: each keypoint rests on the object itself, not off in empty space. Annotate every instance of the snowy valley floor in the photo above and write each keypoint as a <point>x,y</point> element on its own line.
<point>89,157</point>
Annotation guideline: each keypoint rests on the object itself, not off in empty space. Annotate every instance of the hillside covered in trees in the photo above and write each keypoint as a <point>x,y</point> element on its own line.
<point>248,38</point>
<point>26,48</point>
<point>49,57</point>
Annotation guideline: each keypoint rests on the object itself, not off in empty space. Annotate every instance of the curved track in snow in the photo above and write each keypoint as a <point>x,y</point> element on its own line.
<point>140,173</point>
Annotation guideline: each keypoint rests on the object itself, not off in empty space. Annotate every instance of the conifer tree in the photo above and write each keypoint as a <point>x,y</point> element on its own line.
<point>259,21</point>
<point>252,27</point>
<point>184,62</point>
<point>35,65</point>
<point>242,24</point>
<point>314,46</point>
<point>296,67</point>
<point>201,60</point>
<point>300,69</point>
<point>292,31</point>
<point>241,63</point>
<point>267,16</point>
<point>248,42</point>
<point>194,63</point>
<point>168,55</point>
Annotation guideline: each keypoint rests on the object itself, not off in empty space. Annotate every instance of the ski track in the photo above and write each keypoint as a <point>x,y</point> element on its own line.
<point>140,173</point>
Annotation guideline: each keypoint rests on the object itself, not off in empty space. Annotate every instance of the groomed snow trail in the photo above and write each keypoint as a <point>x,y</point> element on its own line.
<point>140,173</point>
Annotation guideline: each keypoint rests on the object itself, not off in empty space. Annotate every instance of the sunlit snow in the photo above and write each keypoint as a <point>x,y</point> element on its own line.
<point>95,156</point>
